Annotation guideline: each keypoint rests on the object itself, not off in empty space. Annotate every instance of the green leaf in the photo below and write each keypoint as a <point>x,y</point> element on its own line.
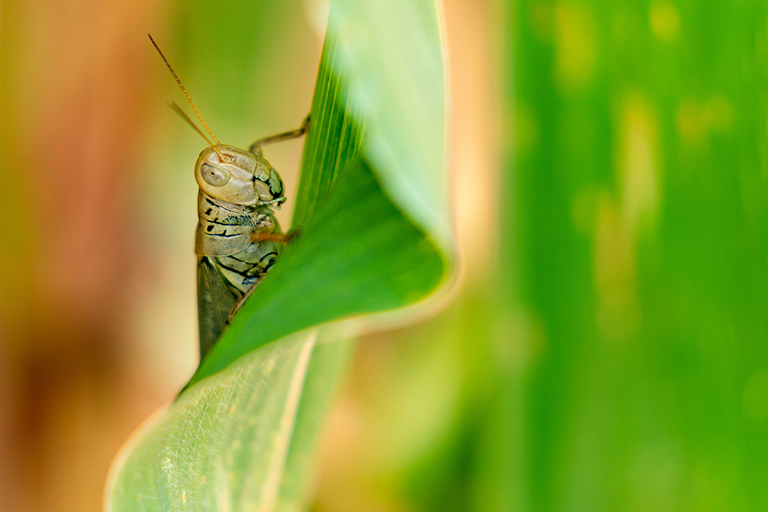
<point>635,243</point>
<point>223,444</point>
<point>372,210</point>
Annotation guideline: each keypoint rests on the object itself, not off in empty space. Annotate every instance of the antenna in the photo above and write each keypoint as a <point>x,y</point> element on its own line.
<point>191,123</point>
<point>184,90</point>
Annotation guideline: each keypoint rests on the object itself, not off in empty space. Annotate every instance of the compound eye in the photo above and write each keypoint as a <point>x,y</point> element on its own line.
<point>214,175</point>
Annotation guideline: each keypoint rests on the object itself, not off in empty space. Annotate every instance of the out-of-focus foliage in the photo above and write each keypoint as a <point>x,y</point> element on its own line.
<point>637,230</point>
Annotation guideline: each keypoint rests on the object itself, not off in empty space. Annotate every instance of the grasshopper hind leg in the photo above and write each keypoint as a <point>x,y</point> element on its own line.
<point>265,263</point>
<point>242,300</point>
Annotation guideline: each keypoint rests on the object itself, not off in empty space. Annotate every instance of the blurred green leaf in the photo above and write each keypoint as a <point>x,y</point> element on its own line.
<point>636,253</point>
<point>372,208</point>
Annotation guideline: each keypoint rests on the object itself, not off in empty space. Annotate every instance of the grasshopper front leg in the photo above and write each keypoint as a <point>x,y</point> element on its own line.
<point>293,134</point>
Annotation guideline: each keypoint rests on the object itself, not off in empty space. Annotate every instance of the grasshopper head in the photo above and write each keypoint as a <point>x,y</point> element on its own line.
<point>228,173</point>
<point>237,176</point>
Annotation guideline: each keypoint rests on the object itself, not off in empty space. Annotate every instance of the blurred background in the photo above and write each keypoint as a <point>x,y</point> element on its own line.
<point>608,349</point>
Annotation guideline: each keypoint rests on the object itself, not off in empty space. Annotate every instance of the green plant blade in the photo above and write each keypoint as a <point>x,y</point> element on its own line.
<point>222,447</point>
<point>635,244</point>
<point>335,135</point>
<point>398,82</point>
<point>368,244</point>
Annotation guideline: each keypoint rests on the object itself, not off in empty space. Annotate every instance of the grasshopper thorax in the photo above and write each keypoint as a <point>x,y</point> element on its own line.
<point>238,176</point>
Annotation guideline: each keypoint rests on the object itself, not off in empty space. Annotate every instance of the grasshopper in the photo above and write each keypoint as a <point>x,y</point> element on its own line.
<point>238,238</point>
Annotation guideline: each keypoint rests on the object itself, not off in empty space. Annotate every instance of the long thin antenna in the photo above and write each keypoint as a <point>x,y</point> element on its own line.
<point>183,89</point>
<point>191,123</point>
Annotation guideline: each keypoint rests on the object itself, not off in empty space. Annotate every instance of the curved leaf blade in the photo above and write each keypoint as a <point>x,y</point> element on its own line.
<point>223,447</point>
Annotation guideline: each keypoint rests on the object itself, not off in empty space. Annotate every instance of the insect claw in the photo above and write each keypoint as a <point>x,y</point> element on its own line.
<point>305,124</point>
<point>292,234</point>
